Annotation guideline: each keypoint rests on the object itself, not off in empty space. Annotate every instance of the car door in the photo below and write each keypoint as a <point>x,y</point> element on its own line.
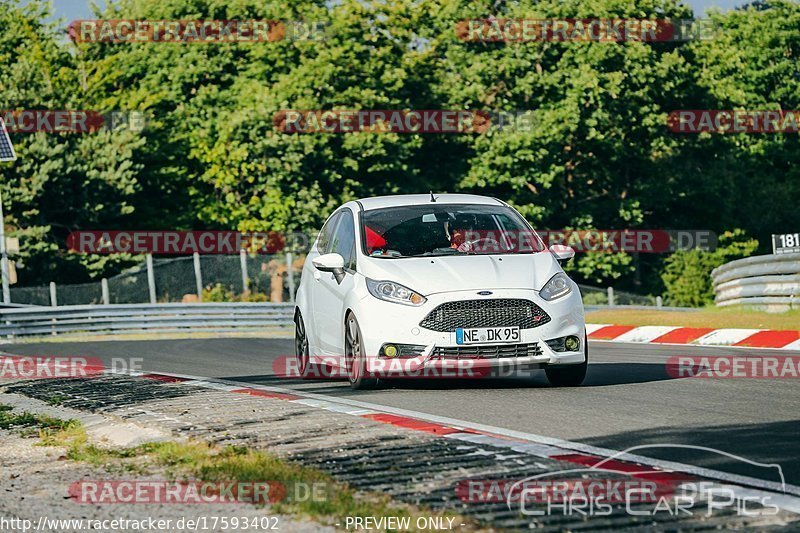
<point>315,296</point>
<point>329,294</point>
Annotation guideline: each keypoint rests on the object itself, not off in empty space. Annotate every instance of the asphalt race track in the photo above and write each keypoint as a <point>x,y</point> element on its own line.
<point>628,398</point>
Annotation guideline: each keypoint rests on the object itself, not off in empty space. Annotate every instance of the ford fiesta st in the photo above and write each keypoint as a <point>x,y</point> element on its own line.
<point>428,281</point>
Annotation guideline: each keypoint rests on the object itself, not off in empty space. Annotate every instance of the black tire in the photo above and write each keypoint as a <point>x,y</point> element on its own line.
<point>301,346</point>
<point>355,356</point>
<point>572,375</point>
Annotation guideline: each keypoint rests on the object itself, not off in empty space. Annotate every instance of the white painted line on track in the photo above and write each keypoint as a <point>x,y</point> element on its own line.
<point>211,385</point>
<point>332,406</point>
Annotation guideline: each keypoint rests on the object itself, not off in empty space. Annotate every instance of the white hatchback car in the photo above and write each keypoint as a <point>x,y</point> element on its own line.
<point>413,285</point>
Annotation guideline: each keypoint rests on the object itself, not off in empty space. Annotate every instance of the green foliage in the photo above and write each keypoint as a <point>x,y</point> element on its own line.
<point>220,293</point>
<point>595,298</point>
<point>600,268</point>
<point>61,182</point>
<point>600,154</point>
<point>28,420</point>
<point>747,181</point>
<point>254,297</point>
<point>687,274</point>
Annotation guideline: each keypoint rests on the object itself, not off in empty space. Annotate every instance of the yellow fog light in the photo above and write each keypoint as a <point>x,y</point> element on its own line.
<point>390,350</point>
<point>572,343</point>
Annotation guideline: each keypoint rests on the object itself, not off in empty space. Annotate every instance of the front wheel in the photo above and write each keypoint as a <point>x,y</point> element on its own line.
<point>301,346</point>
<point>572,375</point>
<point>356,359</point>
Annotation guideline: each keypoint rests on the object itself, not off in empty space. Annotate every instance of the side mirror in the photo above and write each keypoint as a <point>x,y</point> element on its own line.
<point>333,263</point>
<point>562,253</point>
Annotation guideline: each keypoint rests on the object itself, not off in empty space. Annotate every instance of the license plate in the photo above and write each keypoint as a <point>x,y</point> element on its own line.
<point>482,335</point>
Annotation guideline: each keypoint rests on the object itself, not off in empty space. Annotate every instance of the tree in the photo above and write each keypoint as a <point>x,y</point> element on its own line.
<point>600,154</point>
<point>687,273</point>
<point>61,181</point>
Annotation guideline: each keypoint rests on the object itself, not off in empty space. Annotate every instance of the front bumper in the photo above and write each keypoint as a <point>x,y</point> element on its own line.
<point>394,323</point>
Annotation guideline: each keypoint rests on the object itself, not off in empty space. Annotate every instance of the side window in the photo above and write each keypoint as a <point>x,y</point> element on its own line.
<point>344,240</point>
<point>326,234</point>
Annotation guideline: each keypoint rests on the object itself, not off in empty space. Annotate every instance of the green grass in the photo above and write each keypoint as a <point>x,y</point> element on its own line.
<point>711,317</point>
<point>56,399</point>
<point>201,461</point>
<point>26,420</point>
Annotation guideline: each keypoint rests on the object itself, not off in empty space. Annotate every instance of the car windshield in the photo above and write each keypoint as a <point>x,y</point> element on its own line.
<point>446,229</point>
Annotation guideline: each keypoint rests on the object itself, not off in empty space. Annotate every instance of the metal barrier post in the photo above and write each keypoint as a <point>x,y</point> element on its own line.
<point>53,296</point>
<point>198,276</point>
<point>104,289</point>
<point>611,296</point>
<point>151,279</point>
<point>290,275</point>
<point>659,301</point>
<point>245,277</point>
<point>3,254</point>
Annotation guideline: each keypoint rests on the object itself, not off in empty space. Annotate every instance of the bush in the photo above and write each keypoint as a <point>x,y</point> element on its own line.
<point>254,297</point>
<point>687,273</point>
<point>595,298</point>
<point>220,293</point>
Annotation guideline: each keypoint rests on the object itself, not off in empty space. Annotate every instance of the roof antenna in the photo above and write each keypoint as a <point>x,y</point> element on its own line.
<point>433,198</point>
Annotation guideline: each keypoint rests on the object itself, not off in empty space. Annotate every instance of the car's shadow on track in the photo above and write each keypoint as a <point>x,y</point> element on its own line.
<point>774,443</point>
<point>598,375</point>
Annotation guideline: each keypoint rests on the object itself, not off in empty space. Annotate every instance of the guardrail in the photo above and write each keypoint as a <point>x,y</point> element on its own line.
<point>138,318</point>
<point>770,281</point>
<point>166,318</point>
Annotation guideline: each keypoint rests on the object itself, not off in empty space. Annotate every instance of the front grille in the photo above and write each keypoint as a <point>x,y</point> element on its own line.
<point>491,351</point>
<point>504,312</point>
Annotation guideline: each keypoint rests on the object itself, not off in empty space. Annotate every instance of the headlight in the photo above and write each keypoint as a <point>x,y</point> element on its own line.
<point>557,287</point>
<point>394,292</point>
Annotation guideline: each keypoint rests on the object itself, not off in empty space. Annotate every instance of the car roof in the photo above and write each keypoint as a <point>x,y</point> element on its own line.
<point>378,202</point>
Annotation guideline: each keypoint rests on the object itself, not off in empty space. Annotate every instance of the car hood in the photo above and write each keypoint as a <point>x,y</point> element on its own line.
<point>430,275</point>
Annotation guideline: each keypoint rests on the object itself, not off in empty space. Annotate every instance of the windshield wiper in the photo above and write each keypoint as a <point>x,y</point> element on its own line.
<point>439,252</point>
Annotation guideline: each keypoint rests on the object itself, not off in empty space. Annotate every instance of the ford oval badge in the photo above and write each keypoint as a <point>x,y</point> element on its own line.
<point>485,293</point>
